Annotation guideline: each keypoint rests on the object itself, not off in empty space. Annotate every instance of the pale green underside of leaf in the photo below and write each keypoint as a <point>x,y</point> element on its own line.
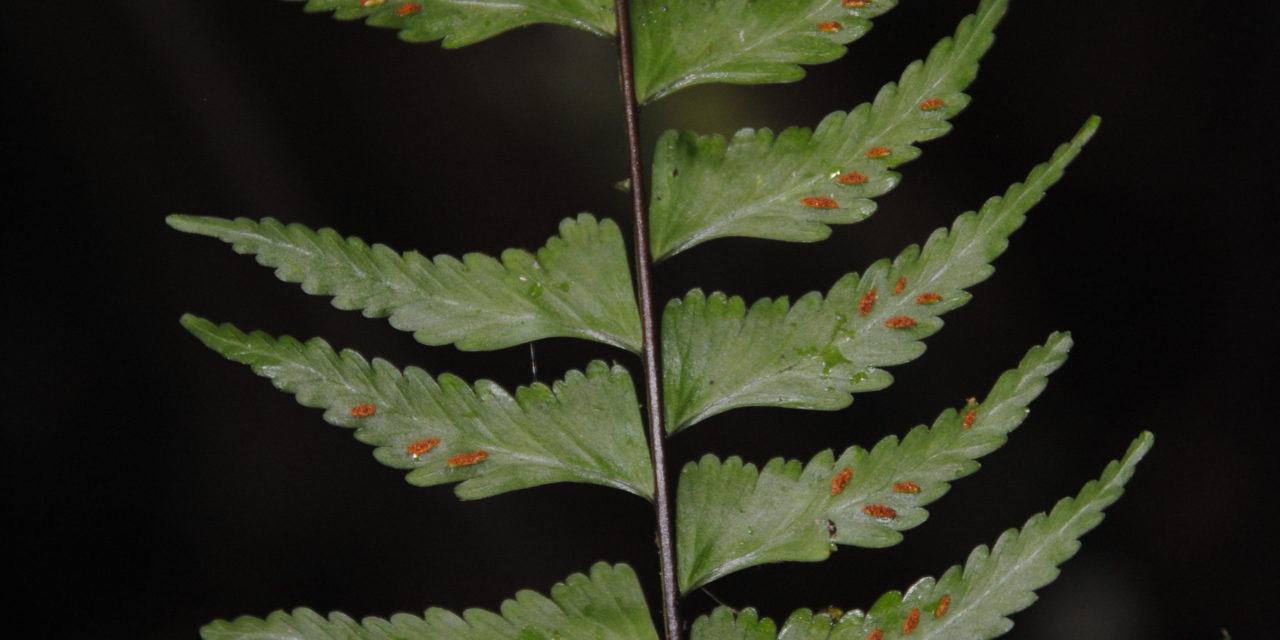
<point>608,605</point>
<point>577,286</point>
<point>753,185</point>
<point>720,355</point>
<point>681,44</point>
<point>585,428</point>
<point>733,516</point>
<point>463,22</point>
<point>992,585</point>
<point>677,44</point>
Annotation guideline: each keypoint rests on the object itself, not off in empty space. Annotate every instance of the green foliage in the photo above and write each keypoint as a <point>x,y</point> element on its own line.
<point>583,429</point>
<point>993,583</point>
<point>608,605</point>
<point>463,22</point>
<point>681,44</point>
<point>733,516</point>
<point>578,286</point>
<point>677,44</point>
<point>719,354</point>
<point>706,188</point>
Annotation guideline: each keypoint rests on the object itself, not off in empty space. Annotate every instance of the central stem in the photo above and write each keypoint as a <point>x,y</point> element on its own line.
<point>649,334</point>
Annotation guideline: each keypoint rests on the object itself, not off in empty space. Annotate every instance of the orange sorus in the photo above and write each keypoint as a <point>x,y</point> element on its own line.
<point>912,620</point>
<point>466,459</point>
<point>880,511</point>
<point>363,410</point>
<point>840,481</point>
<point>867,302</point>
<point>853,177</point>
<point>943,605</point>
<point>820,203</point>
<point>899,322</point>
<point>419,447</point>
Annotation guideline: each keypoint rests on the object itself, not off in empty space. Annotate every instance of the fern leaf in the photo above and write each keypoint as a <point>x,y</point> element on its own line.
<point>732,516</point>
<point>720,355</point>
<point>578,285</point>
<point>681,44</point>
<point>463,22</point>
<point>793,186</point>
<point>965,604</point>
<point>724,624</point>
<point>585,428</point>
<point>608,605</point>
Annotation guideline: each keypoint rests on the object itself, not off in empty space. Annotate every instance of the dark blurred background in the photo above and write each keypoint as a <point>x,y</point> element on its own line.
<point>153,486</point>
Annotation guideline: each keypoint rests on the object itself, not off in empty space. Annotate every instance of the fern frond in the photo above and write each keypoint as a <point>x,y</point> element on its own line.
<point>732,516</point>
<point>585,428</point>
<point>681,44</point>
<point>463,22</point>
<point>793,186</point>
<point>720,355</point>
<point>965,604</point>
<point>608,605</point>
<point>577,286</point>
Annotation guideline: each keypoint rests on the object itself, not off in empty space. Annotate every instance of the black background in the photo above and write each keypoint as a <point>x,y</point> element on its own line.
<point>153,486</point>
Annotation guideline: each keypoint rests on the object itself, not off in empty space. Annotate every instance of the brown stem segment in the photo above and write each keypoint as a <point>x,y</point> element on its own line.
<point>649,333</point>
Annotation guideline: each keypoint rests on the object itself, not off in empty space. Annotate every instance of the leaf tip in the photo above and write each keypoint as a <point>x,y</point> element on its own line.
<point>181,222</point>
<point>602,571</point>
<point>1060,341</point>
<point>1142,445</point>
<point>469,489</point>
<point>1087,130</point>
<point>197,325</point>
